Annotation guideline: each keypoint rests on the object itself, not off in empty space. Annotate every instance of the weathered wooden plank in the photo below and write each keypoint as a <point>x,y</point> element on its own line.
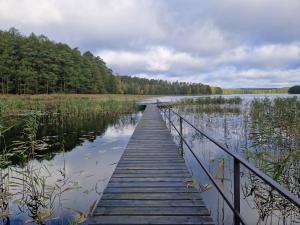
<point>157,151</point>
<point>153,171</point>
<point>151,190</point>
<point>138,220</point>
<point>150,161</point>
<point>142,175</point>
<point>147,184</point>
<point>150,158</point>
<point>150,203</point>
<point>173,164</point>
<point>149,153</point>
<point>146,179</point>
<point>153,196</point>
<point>172,211</point>
<point>152,167</point>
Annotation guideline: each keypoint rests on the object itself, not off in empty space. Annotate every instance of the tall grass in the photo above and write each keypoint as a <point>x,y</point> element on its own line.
<point>67,104</point>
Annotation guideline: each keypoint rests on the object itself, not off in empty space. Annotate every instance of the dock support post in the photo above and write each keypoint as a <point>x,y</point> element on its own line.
<point>236,180</point>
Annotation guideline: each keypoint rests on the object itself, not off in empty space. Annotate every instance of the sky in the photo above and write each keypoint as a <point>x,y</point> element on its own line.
<point>226,43</point>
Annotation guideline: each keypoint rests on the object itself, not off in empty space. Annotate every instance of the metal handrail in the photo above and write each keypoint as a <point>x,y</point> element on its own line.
<point>237,161</point>
<point>235,211</point>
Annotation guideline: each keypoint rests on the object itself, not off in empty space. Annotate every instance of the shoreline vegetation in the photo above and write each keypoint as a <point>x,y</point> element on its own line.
<point>29,112</point>
<point>68,104</point>
<point>34,113</point>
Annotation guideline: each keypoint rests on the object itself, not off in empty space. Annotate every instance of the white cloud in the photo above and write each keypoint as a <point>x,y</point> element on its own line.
<point>162,59</point>
<point>264,56</point>
<point>89,23</point>
<point>22,12</point>
<point>228,42</point>
<point>152,59</point>
<point>231,77</point>
<point>265,20</point>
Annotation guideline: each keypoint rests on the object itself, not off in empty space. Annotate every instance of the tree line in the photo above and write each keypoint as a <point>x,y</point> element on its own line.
<point>35,65</point>
<point>135,85</point>
<point>294,90</point>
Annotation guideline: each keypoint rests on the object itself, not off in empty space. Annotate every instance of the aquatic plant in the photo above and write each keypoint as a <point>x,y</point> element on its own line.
<point>212,100</point>
<point>30,186</point>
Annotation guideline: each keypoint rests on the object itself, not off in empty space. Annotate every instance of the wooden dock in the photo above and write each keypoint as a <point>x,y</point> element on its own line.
<point>150,182</point>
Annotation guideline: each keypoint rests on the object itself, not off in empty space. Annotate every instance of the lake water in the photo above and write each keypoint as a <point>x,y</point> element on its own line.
<point>61,183</point>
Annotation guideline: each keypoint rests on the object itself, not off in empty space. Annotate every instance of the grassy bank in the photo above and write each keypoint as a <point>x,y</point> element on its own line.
<point>72,104</point>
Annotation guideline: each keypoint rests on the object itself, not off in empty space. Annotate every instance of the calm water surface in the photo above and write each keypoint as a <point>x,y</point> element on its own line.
<point>65,179</point>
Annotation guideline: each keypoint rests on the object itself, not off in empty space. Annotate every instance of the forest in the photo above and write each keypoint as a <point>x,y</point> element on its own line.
<point>36,65</point>
<point>294,90</point>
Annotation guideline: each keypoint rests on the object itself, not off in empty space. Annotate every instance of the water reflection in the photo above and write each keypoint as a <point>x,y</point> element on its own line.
<point>61,182</point>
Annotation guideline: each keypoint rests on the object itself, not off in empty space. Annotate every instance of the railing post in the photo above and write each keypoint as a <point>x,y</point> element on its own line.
<point>181,135</point>
<point>169,117</point>
<point>236,187</point>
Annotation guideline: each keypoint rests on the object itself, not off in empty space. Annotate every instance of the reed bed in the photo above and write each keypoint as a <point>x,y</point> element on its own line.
<point>12,105</point>
<point>212,101</point>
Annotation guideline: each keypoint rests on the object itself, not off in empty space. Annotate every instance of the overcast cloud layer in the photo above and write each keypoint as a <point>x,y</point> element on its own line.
<point>228,43</point>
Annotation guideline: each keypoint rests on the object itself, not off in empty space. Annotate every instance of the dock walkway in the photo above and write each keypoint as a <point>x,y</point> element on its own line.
<point>150,182</point>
